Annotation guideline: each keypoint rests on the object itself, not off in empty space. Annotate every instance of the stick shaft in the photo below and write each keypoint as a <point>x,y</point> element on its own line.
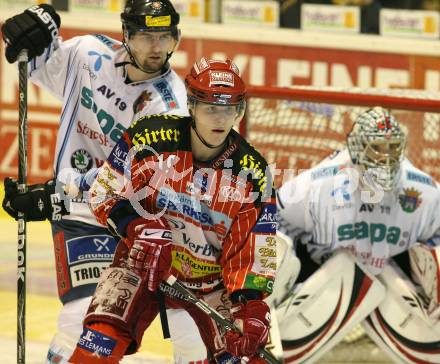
<point>22,166</point>
<point>211,312</point>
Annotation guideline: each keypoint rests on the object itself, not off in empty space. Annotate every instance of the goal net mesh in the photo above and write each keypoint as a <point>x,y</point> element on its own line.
<point>296,128</point>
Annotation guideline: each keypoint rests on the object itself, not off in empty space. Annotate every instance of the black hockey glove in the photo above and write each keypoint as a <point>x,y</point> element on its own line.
<point>34,30</point>
<point>39,203</point>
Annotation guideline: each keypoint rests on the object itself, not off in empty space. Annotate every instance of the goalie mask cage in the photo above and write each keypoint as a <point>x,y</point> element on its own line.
<point>296,128</point>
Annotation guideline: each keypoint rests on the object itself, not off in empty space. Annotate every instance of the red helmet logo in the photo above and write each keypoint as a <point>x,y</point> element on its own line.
<point>215,82</point>
<point>221,78</point>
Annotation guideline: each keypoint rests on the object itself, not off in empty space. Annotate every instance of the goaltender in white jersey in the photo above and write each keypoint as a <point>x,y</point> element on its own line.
<point>392,208</point>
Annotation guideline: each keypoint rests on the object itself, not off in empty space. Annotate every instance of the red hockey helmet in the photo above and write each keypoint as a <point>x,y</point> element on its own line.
<point>215,82</point>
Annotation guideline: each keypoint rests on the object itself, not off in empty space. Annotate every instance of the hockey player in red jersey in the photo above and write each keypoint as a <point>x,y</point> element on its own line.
<point>104,85</point>
<point>187,195</point>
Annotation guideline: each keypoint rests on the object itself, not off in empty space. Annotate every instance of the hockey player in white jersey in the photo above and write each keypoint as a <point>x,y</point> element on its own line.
<point>348,217</point>
<point>103,84</point>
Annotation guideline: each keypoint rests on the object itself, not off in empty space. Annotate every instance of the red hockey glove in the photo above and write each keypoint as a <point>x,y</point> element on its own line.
<point>150,244</point>
<point>253,319</point>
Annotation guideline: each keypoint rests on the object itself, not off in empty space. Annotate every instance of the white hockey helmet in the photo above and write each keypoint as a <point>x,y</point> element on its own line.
<point>376,144</point>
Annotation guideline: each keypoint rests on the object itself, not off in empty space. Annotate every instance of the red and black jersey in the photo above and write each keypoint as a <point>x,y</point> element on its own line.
<point>222,213</point>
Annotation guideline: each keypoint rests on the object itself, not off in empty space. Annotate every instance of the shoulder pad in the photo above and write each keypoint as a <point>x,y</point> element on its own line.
<point>331,165</point>
<point>160,120</point>
<point>165,90</point>
<point>166,131</point>
<point>415,175</point>
<point>110,43</point>
<point>322,172</point>
<point>255,166</point>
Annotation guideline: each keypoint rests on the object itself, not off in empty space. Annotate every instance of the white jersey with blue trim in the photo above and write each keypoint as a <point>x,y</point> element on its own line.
<point>327,210</point>
<point>98,105</point>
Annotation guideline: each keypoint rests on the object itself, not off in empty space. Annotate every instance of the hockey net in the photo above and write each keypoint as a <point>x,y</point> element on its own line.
<point>296,128</point>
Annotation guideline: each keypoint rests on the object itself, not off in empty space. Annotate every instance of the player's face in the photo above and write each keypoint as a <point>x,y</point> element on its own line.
<point>384,153</point>
<point>150,49</point>
<point>381,161</point>
<point>214,122</point>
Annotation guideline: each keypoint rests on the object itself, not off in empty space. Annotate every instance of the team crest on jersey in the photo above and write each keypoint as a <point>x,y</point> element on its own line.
<point>81,160</point>
<point>410,199</point>
<point>142,101</point>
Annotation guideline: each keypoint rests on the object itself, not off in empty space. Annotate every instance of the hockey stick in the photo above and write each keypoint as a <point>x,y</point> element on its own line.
<point>217,317</point>
<point>22,166</point>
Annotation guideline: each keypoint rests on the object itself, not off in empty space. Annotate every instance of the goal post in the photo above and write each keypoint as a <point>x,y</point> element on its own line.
<point>297,127</point>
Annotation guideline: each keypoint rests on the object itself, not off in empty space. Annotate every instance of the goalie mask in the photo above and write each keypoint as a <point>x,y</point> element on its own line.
<point>219,85</point>
<point>376,145</point>
<point>150,33</point>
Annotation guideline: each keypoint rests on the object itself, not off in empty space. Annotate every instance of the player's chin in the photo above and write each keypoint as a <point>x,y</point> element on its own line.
<point>217,139</point>
<point>153,65</point>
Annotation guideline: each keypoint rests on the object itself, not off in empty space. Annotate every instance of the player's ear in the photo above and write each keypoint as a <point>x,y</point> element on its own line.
<point>241,109</point>
<point>125,35</point>
<point>191,107</point>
